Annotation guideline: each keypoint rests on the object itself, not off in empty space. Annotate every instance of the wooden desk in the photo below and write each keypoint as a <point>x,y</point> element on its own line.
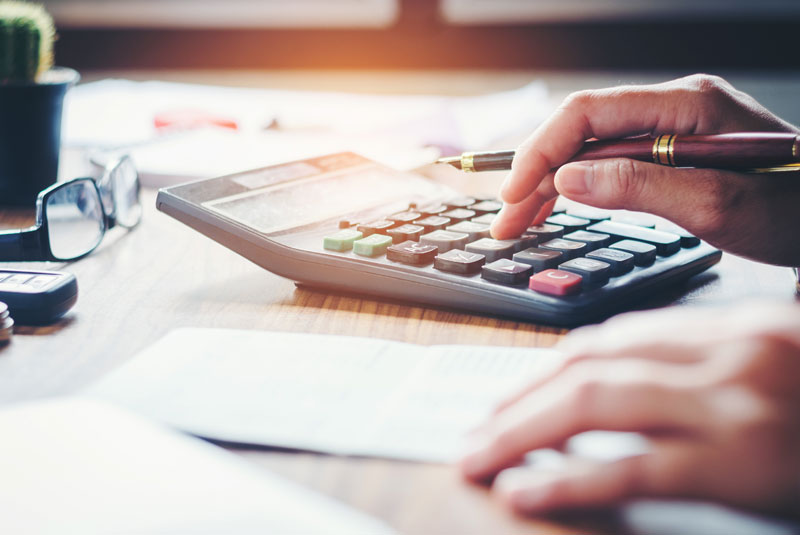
<point>138,285</point>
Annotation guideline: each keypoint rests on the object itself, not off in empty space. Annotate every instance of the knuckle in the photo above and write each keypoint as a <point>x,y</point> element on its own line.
<point>709,84</point>
<point>624,179</point>
<point>578,99</point>
<point>712,207</point>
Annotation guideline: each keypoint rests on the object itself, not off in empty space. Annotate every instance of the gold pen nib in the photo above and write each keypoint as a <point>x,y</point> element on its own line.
<point>455,161</point>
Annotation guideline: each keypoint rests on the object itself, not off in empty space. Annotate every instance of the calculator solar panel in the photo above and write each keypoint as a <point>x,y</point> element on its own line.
<point>344,223</point>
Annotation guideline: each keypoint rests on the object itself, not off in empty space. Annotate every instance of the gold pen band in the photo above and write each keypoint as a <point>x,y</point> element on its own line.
<point>467,162</point>
<point>663,150</point>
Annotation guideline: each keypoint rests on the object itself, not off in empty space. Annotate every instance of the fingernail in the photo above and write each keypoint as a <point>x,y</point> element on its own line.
<point>575,178</point>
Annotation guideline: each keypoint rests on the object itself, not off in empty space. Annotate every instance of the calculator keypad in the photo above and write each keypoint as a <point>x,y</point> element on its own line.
<point>572,252</point>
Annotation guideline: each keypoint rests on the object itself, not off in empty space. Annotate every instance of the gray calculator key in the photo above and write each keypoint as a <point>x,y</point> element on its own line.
<point>593,240</point>
<point>620,261</point>
<point>458,214</point>
<point>460,202</point>
<point>476,231</point>
<point>404,217</point>
<point>570,248</point>
<point>570,223</point>
<point>484,207</point>
<point>666,243</point>
<point>589,212</point>
<point>486,219</point>
<point>445,240</point>
<point>505,271</point>
<point>492,249</point>
<point>461,262</point>
<point>539,258</point>
<point>639,219</point>
<point>594,272</point>
<point>433,222</point>
<point>546,232</point>
<point>644,254</point>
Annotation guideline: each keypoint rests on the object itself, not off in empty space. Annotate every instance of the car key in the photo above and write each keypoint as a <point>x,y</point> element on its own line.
<point>37,297</point>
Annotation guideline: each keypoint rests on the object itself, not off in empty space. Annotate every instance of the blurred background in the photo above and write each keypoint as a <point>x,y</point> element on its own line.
<point>675,35</point>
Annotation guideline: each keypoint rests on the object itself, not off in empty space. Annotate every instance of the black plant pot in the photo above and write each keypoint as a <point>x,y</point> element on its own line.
<point>30,134</point>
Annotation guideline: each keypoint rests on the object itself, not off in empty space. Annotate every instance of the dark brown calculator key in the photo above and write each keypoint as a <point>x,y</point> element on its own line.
<point>375,227</point>
<point>539,259</point>
<point>505,271</point>
<point>546,232</point>
<point>593,272</point>
<point>620,261</point>
<point>570,248</point>
<point>457,215</point>
<point>493,249</point>
<point>570,224</point>
<point>593,240</point>
<point>405,217</point>
<point>411,252</point>
<point>405,233</point>
<point>644,254</point>
<point>666,243</point>
<point>432,223</point>
<point>461,262</point>
<point>485,207</point>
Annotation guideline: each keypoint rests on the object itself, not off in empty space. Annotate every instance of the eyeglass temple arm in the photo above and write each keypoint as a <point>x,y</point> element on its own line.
<point>20,245</point>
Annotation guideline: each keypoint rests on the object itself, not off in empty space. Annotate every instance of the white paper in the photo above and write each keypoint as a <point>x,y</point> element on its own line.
<point>342,395</point>
<point>81,467</point>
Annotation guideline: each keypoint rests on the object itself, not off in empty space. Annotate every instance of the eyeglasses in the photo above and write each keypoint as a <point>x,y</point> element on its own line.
<point>72,217</point>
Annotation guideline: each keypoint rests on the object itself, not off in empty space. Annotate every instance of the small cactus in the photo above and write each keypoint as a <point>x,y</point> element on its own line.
<point>26,41</point>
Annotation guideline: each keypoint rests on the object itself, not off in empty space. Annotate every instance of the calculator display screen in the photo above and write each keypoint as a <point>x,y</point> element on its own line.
<point>301,202</point>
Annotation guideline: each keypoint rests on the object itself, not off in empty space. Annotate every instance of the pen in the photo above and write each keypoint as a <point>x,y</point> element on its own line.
<point>755,152</point>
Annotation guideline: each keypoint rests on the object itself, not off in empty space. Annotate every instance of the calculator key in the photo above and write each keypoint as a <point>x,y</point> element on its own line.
<point>594,272</point>
<point>461,262</point>
<point>638,219</point>
<point>411,252</point>
<point>372,245</point>
<point>644,254</point>
<point>342,240</point>
<point>492,249</point>
<point>485,207</point>
<point>445,240</point>
<point>375,227</point>
<point>432,209</point>
<point>593,240</point>
<point>589,212</point>
<point>570,248</point>
<point>460,202</point>
<point>620,261</point>
<point>505,271</point>
<point>405,233</point>
<point>539,259</point>
<point>561,205</point>
<point>524,242</point>
<point>459,214</point>
<point>404,217</point>
<point>485,219</point>
<point>570,224</point>
<point>666,243</point>
<point>546,232</point>
<point>687,239</point>
<point>346,223</point>
<point>475,231</point>
<point>432,223</point>
<point>556,282</point>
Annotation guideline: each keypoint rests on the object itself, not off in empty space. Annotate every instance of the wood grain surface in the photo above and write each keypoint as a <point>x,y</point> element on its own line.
<point>138,285</point>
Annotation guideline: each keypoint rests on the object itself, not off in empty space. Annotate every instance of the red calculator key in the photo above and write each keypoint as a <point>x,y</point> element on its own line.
<point>555,282</point>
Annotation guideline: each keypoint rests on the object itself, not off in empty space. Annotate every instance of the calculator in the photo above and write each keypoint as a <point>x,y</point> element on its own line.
<point>342,222</point>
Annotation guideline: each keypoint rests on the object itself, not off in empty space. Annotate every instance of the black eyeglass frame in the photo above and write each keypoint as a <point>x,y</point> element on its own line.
<point>33,243</point>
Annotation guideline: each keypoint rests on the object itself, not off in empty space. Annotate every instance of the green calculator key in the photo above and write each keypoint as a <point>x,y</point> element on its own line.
<point>372,245</point>
<point>342,240</point>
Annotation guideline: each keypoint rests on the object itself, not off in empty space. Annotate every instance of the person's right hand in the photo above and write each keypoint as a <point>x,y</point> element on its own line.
<point>754,216</point>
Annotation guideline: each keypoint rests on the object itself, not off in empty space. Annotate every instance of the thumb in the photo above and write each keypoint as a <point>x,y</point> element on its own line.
<point>695,199</point>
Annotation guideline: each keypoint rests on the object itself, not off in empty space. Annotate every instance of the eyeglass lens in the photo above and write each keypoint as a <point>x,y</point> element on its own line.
<point>125,193</point>
<point>75,219</point>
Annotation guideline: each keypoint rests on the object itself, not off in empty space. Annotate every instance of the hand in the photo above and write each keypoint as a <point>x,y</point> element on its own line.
<point>756,217</point>
<point>717,394</point>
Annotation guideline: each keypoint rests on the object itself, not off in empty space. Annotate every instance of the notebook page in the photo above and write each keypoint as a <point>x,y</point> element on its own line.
<point>333,394</point>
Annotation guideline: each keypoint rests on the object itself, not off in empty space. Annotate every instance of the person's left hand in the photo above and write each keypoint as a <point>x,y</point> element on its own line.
<point>716,393</point>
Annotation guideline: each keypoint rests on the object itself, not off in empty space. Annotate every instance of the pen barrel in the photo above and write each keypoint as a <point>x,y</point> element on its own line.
<point>487,161</point>
<point>717,151</point>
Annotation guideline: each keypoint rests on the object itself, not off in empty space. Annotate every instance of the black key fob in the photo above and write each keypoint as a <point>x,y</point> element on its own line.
<point>37,297</point>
